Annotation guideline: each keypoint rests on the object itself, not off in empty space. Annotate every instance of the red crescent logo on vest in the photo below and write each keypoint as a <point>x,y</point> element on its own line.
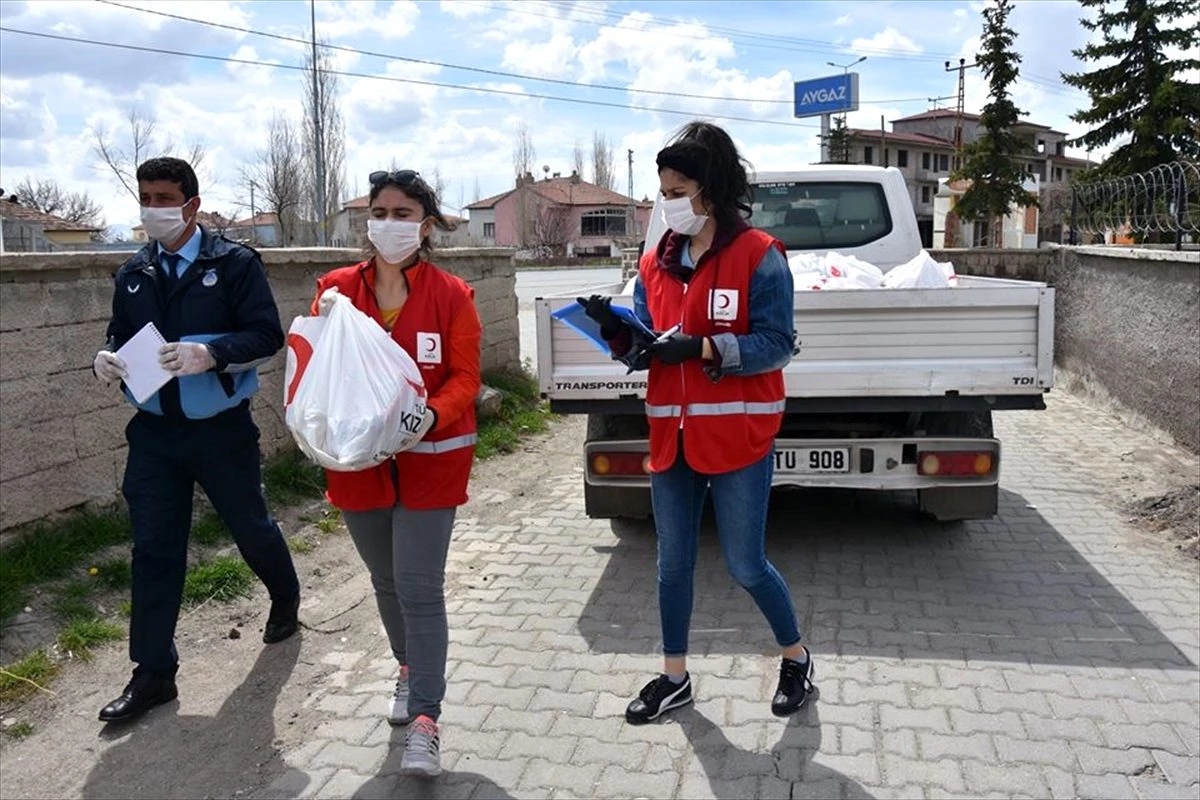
<point>303,350</point>
<point>430,345</point>
<point>722,301</point>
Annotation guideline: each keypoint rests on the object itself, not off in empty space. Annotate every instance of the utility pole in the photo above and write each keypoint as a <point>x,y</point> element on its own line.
<point>826,118</point>
<point>319,144</point>
<point>962,68</point>
<point>253,224</point>
<point>631,228</point>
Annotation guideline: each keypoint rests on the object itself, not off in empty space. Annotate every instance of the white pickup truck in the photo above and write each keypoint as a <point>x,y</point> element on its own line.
<point>892,389</point>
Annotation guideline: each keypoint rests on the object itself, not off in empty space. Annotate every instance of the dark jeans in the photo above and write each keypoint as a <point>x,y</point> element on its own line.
<point>740,502</point>
<point>166,459</point>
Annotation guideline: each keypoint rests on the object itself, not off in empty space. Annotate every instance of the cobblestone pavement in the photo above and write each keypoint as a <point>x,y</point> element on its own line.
<point>1050,652</point>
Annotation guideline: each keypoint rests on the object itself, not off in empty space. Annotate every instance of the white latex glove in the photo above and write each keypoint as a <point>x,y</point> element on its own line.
<point>109,368</point>
<point>428,420</point>
<point>185,358</point>
<point>325,304</point>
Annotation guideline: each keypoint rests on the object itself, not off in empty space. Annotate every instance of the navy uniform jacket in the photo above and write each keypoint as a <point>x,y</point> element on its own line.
<point>222,300</point>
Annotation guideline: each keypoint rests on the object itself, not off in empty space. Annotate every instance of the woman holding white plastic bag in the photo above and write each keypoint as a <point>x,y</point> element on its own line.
<point>400,513</point>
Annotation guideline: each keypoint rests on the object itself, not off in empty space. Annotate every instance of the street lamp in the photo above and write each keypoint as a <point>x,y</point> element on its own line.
<point>846,67</point>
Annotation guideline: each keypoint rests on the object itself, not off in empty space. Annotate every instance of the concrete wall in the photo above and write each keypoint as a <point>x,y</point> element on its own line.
<point>1127,321</point>
<point>62,440</point>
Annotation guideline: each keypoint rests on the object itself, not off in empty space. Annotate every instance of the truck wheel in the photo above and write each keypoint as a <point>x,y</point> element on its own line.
<point>616,502</point>
<point>953,503</point>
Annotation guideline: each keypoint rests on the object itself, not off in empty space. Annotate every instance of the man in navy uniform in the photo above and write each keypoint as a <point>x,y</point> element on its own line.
<point>210,300</point>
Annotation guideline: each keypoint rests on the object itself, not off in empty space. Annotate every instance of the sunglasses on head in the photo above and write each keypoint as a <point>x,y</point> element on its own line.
<point>400,177</point>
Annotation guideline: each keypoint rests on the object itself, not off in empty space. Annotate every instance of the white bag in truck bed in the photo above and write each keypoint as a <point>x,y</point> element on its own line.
<point>987,337</point>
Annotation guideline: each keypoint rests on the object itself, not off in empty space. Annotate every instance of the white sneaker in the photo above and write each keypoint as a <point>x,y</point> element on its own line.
<point>398,712</point>
<point>422,751</point>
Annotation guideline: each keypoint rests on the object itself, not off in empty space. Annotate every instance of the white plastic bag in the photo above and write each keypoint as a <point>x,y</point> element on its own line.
<point>919,272</point>
<point>354,397</point>
<point>848,272</point>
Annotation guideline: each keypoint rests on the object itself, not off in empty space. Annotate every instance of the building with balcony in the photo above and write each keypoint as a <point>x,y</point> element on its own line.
<point>922,148</point>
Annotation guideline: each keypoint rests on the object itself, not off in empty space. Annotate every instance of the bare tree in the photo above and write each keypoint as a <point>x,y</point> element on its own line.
<point>122,154</point>
<point>578,158</point>
<point>277,174</point>
<point>524,154</point>
<point>476,195</point>
<point>604,168</point>
<point>551,228</point>
<point>50,198</point>
<point>324,132</point>
<point>438,184</point>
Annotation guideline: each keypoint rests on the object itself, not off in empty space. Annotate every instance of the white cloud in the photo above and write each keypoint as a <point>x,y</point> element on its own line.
<point>465,8</point>
<point>549,59</point>
<point>888,41</point>
<point>338,20</point>
<point>843,21</point>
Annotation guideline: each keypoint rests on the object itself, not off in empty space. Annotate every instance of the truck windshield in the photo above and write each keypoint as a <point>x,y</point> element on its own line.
<point>821,216</point>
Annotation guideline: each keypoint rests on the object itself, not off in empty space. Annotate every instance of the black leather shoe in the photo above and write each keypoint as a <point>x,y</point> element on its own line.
<point>283,621</point>
<point>142,693</point>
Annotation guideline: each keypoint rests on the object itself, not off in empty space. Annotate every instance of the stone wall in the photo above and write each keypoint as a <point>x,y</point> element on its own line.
<point>1127,321</point>
<point>62,441</point>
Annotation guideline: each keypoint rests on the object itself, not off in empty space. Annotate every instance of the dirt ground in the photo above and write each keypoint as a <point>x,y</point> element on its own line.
<point>1175,514</point>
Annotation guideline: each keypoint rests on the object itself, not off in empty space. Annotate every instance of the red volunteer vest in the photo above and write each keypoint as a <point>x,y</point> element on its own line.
<point>729,424</point>
<point>434,473</point>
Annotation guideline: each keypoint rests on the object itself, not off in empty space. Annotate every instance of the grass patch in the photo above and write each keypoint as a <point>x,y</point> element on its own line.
<point>74,601</point>
<point>290,477</point>
<point>81,635</point>
<point>222,579</point>
<point>14,678</point>
<point>209,529</point>
<point>115,573</point>
<point>330,518</point>
<point>19,730</point>
<point>125,609</point>
<point>49,550</point>
<point>521,412</point>
<point>300,544</point>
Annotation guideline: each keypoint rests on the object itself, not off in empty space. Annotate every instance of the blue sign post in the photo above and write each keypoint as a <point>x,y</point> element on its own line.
<point>823,97</point>
<point>831,95</point>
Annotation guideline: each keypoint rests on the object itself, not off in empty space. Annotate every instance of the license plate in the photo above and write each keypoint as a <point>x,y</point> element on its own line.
<point>807,460</point>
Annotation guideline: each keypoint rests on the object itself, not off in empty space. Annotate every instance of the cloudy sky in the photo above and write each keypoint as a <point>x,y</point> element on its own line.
<point>445,84</point>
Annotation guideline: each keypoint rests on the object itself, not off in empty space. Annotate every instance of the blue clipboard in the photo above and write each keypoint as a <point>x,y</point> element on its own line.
<point>574,317</point>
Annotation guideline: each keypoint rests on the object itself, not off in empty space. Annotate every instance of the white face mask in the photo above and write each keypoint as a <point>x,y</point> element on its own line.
<point>395,239</point>
<point>678,215</point>
<point>164,225</point>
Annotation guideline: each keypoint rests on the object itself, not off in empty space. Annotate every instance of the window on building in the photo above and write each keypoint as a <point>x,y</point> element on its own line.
<point>943,163</point>
<point>489,230</point>
<point>924,194</point>
<point>901,158</point>
<point>605,222</point>
<point>868,155</point>
<point>925,158</point>
<point>1058,148</point>
<point>1058,173</point>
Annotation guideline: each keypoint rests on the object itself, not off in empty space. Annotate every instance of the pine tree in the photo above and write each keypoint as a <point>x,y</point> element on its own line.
<point>1140,94</point>
<point>837,141</point>
<point>990,162</point>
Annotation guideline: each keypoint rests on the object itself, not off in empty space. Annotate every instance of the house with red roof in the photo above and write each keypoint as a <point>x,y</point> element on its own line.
<point>559,216</point>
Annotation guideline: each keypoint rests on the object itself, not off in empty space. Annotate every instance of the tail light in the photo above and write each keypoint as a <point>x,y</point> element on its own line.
<point>620,464</point>
<point>971,463</point>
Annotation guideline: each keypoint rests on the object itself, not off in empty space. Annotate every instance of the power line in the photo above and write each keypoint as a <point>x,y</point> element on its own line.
<point>480,70</point>
<point>413,81</point>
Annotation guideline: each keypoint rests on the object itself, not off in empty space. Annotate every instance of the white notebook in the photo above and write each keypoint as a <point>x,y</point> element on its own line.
<point>140,354</point>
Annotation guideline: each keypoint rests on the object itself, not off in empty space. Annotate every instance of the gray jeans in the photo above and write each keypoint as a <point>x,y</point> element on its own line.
<point>405,552</point>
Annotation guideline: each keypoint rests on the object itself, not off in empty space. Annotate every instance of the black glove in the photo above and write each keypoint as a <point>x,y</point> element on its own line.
<point>678,348</point>
<point>600,309</point>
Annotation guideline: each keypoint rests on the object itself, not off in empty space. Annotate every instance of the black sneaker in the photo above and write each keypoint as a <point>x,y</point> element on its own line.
<point>657,698</point>
<point>795,685</point>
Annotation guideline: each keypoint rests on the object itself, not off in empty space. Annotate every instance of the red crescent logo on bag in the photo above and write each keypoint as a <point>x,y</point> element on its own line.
<point>416,387</point>
<point>303,350</point>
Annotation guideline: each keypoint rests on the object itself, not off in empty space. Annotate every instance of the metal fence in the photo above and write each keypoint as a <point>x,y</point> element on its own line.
<point>1162,203</point>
